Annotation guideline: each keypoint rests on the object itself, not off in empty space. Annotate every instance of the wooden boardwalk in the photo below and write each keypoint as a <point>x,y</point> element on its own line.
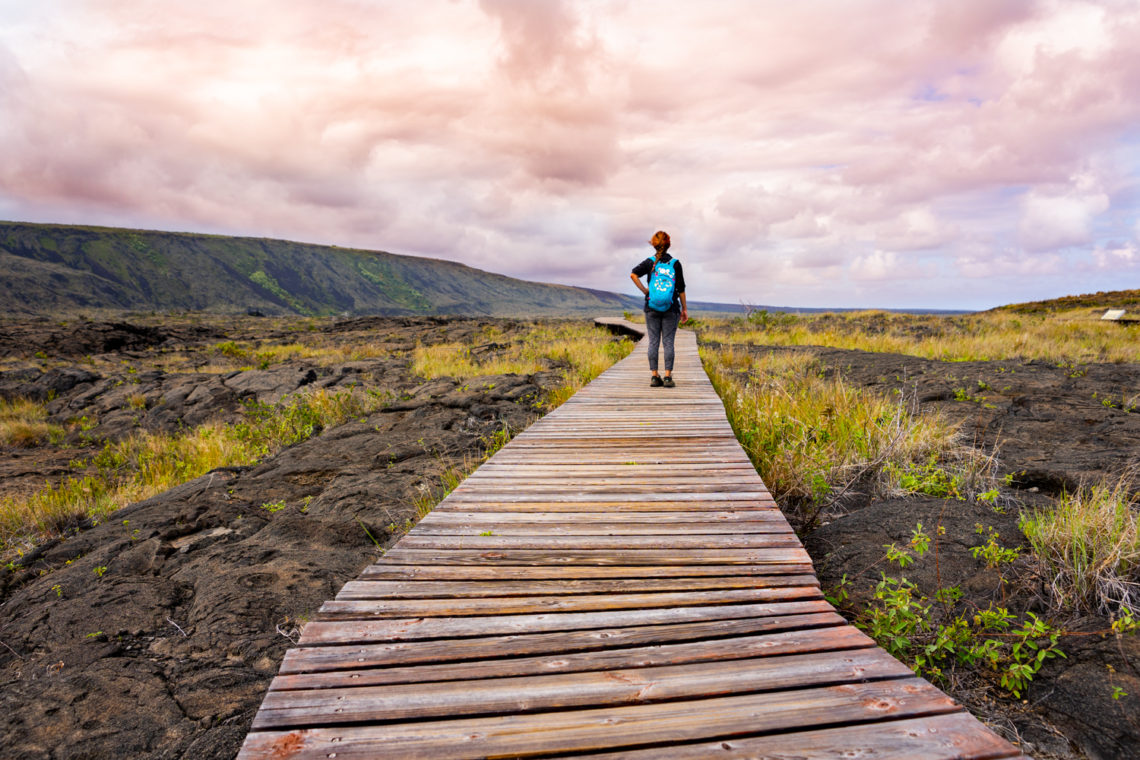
<point>616,581</point>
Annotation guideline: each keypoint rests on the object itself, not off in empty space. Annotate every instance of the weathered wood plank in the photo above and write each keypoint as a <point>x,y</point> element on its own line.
<point>640,491</point>
<point>935,737</point>
<point>388,571</point>
<point>313,659</point>
<point>599,542</point>
<point>598,729</point>
<point>369,631</point>
<point>363,589</point>
<point>612,498</point>
<point>560,691</point>
<point>598,528</point>
<point>412,556</point>
<point>744,647</point>
<point>609,507</point>
<point>361,609</point>
<point>749,513</point>
<point>587,557</point>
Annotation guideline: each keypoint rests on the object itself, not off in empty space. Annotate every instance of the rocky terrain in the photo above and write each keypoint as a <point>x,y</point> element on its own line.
<point>155,634</point>
<point>1053,428</point>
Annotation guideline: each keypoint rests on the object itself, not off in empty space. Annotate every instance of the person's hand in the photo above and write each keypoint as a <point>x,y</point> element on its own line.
<point>684,316</point>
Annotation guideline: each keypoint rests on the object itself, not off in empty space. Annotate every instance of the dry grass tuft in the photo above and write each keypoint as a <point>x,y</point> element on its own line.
<point>1088,545</point>
<point>230,355</point>
<point>24,424</point>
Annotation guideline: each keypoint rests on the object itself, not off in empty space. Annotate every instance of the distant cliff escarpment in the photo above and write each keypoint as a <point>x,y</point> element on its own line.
<point>52,269</point>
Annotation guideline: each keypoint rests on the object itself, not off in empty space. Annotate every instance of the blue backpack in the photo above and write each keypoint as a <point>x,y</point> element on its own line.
<point>661,284</point>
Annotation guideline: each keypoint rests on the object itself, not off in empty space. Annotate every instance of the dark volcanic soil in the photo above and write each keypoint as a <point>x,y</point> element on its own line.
<point>1053,431</point>
<point>167,652</point>
<point>155,634</point>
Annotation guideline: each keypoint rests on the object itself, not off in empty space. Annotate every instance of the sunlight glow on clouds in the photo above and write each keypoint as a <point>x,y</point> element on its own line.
<point>820,153</point>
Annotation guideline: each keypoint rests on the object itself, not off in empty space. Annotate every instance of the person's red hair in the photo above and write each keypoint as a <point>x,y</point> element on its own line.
<point>660,239</point>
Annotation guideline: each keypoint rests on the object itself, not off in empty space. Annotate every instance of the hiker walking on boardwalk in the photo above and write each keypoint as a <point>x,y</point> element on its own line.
<point>665,303</point>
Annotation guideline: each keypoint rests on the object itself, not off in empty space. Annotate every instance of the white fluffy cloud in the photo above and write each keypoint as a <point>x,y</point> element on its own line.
<point>1050,222</point>
<point>803,154</point>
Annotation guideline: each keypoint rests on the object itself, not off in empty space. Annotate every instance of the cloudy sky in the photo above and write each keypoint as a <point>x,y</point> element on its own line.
<point>895,153</point>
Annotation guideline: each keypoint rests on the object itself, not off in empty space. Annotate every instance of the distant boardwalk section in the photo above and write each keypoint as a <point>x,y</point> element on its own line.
<point>616,581</point>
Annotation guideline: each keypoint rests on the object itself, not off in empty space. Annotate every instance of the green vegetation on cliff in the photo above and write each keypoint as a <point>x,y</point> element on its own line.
<point>50,268</point>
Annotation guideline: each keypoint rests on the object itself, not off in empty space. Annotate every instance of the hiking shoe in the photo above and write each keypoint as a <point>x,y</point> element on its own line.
<point>668,383</point>
<point>655,382</point>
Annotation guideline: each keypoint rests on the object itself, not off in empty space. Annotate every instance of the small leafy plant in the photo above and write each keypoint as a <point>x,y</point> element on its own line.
<point>994,553</point>
<point>932,638</point>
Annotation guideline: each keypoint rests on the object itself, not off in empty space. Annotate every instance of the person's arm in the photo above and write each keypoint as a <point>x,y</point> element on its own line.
<point>681,292</point>
<point>637,281</point>
<point>642,269</point>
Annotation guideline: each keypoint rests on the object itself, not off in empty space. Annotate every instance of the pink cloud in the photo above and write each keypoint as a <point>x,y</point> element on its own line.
<point>817,145</point>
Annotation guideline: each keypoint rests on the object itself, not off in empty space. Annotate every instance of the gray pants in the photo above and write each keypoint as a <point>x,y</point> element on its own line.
<point>660,326</point>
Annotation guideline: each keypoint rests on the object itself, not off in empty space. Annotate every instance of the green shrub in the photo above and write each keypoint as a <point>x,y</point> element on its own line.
<point>932,638</point>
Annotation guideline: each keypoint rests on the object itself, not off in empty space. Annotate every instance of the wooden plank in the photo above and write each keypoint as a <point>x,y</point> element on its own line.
<point>368,631</point>
<point>733,648</point>
<point>608,469</point>
<point>312,659</point>
<point>587,730</point>
<point>601,479</point>
<point>751,514</point>
<point>412,556</point>
<point>595,528</point>
<point>598,542</point>
<point>458,589</point>
<point>614,499</point>
<point>598,528</point>
<point>610,507</point>
<point>679,491</point>
<point>389,571</point>
<point>360,609</point>
<point>697,484</point>
<point>560,691</point>
<point>935,737</point>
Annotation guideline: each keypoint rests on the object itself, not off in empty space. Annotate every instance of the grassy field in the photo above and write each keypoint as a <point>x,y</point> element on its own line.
<point>1073,335</point>
<point>813,438</point>
<point>146,463</point>
<point>816,440</point>
<point>572,349</point>
<point>826,446</point>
